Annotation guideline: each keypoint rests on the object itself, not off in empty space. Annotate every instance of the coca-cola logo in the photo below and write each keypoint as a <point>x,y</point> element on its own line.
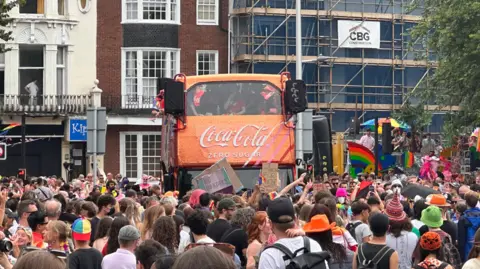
<point>250,135</point>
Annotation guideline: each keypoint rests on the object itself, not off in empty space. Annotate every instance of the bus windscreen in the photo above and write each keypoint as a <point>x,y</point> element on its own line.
<point>233,98</point>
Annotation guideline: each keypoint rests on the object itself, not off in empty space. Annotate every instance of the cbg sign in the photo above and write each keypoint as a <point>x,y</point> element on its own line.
<point>359,34</point>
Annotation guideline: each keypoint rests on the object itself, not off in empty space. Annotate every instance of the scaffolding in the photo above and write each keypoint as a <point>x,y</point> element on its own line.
<point>368,81</point>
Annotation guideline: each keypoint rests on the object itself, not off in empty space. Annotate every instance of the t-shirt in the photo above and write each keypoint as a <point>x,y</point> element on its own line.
<point>85,258</point>
<point>361,231</point>
<point>472,264</point>
<point>272,258</point>
<point>369,251</point>
<point>238,238</point>
<point>404,245</point>
<point>217,229</point>
<point>121,259</point>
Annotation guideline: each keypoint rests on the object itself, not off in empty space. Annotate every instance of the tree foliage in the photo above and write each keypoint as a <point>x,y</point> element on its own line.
<point>451,30</point>
<point>414,115</point>
<point>5,19</point>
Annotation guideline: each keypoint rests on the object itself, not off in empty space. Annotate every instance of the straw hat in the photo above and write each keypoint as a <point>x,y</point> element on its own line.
<point>318,224</point>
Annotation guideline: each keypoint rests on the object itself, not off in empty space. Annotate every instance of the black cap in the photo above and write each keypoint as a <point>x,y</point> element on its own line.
<point>280,209</point>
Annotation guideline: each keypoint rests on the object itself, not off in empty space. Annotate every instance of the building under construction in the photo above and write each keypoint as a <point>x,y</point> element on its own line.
<point>358,57</point>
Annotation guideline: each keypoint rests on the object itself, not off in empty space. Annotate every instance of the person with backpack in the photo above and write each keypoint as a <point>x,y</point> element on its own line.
<point>358,228</point>
<point>432,217</point>
<point>375,254</point>
<point>468,224</point>
<point>430,247</point>
<point>320,229</point>
<point>288,252</point>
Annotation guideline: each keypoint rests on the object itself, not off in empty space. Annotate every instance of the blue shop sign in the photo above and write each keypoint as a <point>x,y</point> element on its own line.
<point>77,129</point>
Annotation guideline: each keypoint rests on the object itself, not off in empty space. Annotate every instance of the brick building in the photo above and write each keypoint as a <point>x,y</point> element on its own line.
<point>139,41</point>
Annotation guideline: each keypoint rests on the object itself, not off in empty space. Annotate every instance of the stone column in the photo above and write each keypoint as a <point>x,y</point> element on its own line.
<point>50,65</point>
<point>69,71</point>
<point>12,83</point>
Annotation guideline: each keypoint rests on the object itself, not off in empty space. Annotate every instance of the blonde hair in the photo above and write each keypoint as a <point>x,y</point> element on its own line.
<point>61,228</point>
<point>150,216</point>
<point>129,207</point>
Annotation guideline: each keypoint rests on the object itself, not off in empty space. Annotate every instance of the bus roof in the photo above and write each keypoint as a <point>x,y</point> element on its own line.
<point>273,79</point>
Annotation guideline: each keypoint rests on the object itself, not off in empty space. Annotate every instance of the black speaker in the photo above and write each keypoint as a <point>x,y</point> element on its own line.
<point>322,145</point>
<point>295,96</point>
<point>387,146</point>
<point>161,83</point>
<point>174,98</point>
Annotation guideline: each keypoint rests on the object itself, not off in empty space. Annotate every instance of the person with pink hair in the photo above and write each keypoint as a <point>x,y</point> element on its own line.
<point>195,197</point>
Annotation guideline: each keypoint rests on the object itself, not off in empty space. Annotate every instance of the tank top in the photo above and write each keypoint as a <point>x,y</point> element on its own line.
<point>370,250</point>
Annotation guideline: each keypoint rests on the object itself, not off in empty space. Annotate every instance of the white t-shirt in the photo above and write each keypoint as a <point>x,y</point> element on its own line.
<point>272,258</point>
<point>32,88</point>
<point>404,246</point>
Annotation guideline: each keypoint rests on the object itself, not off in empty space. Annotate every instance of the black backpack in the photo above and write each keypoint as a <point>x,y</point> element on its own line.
<point>351,229</point>
<point>306,260</point>
<point>363,263</point>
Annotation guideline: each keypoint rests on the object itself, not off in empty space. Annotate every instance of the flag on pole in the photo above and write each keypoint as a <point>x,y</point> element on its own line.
<point>408,159</point>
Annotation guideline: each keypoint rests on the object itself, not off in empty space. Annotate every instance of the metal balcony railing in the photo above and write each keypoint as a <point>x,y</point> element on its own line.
<point>128,104</point>
<point>44,104</point>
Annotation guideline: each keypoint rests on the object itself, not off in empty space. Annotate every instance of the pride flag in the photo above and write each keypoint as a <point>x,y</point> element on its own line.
<point>5,130</point>
<point>261,179</point>
<point>478,144</point>
<point>11,126</point>
<point>408,159</point>
<point>362,159</point>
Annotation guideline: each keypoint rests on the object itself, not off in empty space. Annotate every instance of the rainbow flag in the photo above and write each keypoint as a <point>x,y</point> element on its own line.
<point>408,159</point>
<point>11,126</point>
<point>478,144</point>
<point>261,179</point>
<point>272,195</point>
<point>362,159</point>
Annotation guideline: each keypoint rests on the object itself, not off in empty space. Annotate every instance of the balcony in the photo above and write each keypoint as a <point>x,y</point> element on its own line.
<point>44,105</point>
<point>128,104</point>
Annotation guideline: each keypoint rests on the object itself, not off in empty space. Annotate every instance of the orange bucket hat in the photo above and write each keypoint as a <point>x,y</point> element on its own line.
<point>318,224</point>
<point>437,200</point>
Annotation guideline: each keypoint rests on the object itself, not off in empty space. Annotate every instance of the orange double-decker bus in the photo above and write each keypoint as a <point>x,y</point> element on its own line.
<point>240,117</point>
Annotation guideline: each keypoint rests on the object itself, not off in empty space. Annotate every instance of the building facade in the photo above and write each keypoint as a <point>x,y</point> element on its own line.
<point>47,77</point>
<point>140,41</point>
<point>357,59</point>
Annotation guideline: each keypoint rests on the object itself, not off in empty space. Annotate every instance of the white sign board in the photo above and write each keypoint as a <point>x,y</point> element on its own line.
<point>359,34</point>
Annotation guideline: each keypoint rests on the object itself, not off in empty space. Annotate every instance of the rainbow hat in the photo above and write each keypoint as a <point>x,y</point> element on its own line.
<point>81,229</point>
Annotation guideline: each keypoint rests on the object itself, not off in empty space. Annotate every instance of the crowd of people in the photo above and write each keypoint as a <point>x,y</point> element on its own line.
<point>342,222</point>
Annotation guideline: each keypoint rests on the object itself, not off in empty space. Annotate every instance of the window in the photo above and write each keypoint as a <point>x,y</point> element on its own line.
<point>207,62</point>
<point>61,66</point>
<point>31,73</point>
<point>61,7</point>
<point>207,12</point>
<point>33,7</point>
<point>141,154</point>
<point>154,11</point>
<point>142,68</point>
<point>233,98</point>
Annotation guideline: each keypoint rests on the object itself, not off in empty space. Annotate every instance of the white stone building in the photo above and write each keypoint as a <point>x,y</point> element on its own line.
<point>47,76</point>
